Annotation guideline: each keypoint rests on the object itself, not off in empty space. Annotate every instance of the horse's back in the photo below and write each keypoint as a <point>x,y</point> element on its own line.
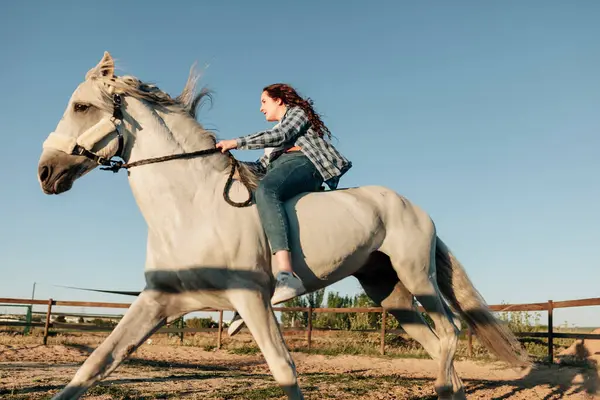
<point>333,233</point>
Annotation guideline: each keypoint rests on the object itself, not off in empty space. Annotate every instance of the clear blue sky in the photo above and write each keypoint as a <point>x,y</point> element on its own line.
<point>486,115</point>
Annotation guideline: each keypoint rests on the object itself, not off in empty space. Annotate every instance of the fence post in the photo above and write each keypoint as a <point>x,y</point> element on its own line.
<point>28,327</point>
<point>181,326</point>
<point>469,342</point>
<point>383,323</point>
<point>47,326</point>
<point>550,333</point>
<point>309,331</point>
<point>220,332</point>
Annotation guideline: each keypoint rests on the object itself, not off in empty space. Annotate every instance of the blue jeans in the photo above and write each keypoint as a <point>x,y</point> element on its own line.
<point>288,175</point>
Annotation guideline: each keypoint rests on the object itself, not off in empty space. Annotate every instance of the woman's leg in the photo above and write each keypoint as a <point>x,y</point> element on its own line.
<point>290,174</point>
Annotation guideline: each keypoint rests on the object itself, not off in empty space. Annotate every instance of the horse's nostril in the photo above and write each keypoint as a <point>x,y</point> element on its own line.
<point>44,173</point>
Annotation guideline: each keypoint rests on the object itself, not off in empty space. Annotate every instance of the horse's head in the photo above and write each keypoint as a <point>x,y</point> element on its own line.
<point>88,133</point>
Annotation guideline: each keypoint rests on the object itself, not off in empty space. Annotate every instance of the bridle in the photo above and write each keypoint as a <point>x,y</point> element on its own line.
<point>82,146</point>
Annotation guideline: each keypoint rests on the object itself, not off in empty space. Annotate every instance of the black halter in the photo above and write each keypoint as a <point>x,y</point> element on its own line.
<point>118,118</point>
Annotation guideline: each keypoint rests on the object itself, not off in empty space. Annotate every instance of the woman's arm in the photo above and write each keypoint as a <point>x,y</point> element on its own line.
<point>294,123</point>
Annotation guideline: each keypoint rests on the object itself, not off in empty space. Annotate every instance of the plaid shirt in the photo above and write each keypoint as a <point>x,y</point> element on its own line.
<point>295,129</point>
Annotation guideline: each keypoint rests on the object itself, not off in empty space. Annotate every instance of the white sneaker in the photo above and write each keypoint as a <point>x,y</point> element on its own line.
<point>236,324</point>
<point>288,286</point>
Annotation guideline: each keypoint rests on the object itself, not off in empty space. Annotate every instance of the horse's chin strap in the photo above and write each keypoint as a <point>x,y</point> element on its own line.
<point>83,144</point>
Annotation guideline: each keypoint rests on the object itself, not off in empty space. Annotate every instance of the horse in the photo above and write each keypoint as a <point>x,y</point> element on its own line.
<point>206,248</point>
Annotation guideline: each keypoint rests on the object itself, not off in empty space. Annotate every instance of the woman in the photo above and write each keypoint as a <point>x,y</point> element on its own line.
<point>300,161</point>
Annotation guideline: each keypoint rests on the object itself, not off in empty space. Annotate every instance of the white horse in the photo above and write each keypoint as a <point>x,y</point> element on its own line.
<point>205,253</point>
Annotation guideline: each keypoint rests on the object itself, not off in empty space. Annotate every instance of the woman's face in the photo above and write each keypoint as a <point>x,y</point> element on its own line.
<point>273,109</point>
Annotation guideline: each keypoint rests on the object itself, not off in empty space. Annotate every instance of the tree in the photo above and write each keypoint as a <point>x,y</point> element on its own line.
<point>335,320</point>
<point>315,299</point>
<point>293,319</point>
<point>200,323</point>
<point>300,318</point>
<point>360,321</point>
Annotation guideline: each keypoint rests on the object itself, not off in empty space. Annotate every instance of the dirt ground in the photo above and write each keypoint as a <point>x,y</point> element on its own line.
<point>159,371</point>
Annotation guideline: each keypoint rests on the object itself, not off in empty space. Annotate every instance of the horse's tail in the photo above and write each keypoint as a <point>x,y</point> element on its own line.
<point>457,288</point>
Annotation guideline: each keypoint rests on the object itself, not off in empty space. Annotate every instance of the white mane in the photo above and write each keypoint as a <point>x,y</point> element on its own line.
<point>187,103</point>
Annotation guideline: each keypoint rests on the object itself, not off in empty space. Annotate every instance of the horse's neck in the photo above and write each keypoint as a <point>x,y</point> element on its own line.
<point>172,195</point>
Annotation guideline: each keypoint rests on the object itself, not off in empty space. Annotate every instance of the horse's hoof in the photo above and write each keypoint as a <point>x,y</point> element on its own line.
<point>460,394</point>
<point>444,392</point>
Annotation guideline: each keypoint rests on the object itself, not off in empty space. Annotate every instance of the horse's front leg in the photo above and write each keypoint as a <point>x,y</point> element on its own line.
<point>147,313</point>
<point>255,309</point>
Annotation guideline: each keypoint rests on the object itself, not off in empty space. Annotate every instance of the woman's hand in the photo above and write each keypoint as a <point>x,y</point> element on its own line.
<point>225,145</point>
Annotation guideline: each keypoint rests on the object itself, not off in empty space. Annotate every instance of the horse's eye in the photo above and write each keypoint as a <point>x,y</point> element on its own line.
<point>79,107</point>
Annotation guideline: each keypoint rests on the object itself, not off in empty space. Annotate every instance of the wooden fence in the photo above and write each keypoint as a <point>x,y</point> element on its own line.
<point>549,307</point>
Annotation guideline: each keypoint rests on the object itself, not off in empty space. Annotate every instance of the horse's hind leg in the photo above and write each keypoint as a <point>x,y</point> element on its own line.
<point>380,282</point>
<point>147,313</point>
<point>414,261</point>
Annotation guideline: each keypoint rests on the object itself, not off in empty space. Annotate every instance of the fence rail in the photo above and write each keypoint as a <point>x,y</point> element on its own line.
<point>548,306</point>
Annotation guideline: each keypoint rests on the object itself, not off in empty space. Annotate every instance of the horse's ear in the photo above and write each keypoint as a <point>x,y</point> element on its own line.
<point>105,68</point>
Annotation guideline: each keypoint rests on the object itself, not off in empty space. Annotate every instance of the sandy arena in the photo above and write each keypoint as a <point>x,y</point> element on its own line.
<point>160,371</point>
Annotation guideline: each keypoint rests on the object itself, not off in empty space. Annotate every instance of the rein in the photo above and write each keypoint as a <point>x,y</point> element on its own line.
<point>115,165</point>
